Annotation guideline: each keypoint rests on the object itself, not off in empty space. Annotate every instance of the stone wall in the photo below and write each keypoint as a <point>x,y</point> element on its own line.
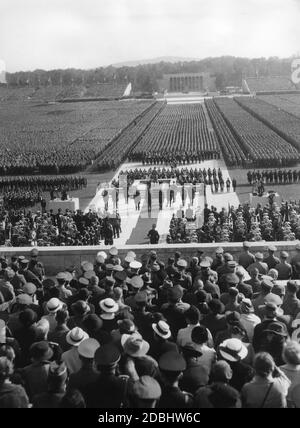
<point>56,259</point>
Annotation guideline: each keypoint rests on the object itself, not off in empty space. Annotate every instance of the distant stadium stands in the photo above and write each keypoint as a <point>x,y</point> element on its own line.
<point>107,91</point>
<point>269,84</point>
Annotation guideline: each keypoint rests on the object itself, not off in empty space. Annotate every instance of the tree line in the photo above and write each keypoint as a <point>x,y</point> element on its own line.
<point>228,70</point>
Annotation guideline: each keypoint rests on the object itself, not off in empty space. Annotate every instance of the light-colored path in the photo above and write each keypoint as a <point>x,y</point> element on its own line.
<point>129,215</point>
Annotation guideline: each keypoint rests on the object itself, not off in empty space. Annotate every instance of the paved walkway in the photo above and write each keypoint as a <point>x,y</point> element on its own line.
<point>140,220</point>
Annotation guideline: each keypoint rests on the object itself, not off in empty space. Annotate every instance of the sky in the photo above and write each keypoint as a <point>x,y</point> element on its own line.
<point>50,34</point>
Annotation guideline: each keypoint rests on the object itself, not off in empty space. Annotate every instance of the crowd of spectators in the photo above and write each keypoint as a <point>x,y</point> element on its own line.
<point>22,229</point>
<point>117,333</point>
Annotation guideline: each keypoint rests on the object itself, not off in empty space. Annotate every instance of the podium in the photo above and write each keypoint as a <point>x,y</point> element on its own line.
<point>71,204</point>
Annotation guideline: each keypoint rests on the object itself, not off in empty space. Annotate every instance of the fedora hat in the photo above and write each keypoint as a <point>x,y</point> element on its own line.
<point>135,346</point>
<point>41,351</point>
<point>76,336</point>
<point>233,350</point>
<point>109,306</point>
<point>113,251</point>
<point>162,329</point>
<point>107,355</point>
<point>88,347</point>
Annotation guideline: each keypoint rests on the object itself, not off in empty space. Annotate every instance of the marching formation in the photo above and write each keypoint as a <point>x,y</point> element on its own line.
<point>258,141</point>
<point>179,133</point>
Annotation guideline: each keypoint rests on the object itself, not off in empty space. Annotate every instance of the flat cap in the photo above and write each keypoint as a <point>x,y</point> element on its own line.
<point>172,361</point>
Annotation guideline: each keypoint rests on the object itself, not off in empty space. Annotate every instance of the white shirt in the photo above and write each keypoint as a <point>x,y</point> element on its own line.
<point>72,360</point>
<point>249,321</point>
<point>184,336</point>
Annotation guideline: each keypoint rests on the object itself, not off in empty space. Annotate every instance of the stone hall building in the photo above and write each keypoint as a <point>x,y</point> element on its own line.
<point>187,82</point>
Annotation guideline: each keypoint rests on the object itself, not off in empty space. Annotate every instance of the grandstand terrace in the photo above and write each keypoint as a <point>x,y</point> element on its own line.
<point>269,84</point>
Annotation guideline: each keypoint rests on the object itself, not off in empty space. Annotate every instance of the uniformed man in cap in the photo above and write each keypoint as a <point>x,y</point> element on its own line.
<point>271,259</point>
<point>171,365</point>
<point>109,390</point>
<point>144,393</point>
<point>284,268</point>
<point>246,258</point>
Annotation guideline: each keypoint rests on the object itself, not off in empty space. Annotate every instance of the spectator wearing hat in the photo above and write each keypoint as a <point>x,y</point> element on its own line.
<point>87,374</point>
<point>243,287</point>
<point>269,387</point>
<point>125,326</point>
<point>224,280</point>
<point>27,334</point>
<point>64,293</point>
<point>234,329</point>
<point>291,304</point>
<point>259,264</point>
<point>184,279</point>
<point>233,351</point>
<point>218,261</point>
<point>291,368</point>
<point>28,275</point>
<point>79,309</point>
<point>175,309</point>
<point>144,393</point>
<point>215,320</point>
<point>35,375</point>
<point>71,357</point>
<point>248,319</point>
<point>218,394</point>
<point>11,396</point>
<point>61,330</point>
<point>266,289</point>
<point>172,365</point>
<point>23,301</point>
<point>224,269</point>
<point>108,310</point>
<point>142,317</point>
<point>255,280</point>
<point>136,349</point>
<point>160,342</point>
<point>270,312</point>
<point>246,259</point>
<point>52,306</point>
<point>271,259</point>
<point>284,268</point>
<point>273,340</point>
<point>109,390</point>
<point>56,388</point>
<point>92,325</point>
<point>195,375</point>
